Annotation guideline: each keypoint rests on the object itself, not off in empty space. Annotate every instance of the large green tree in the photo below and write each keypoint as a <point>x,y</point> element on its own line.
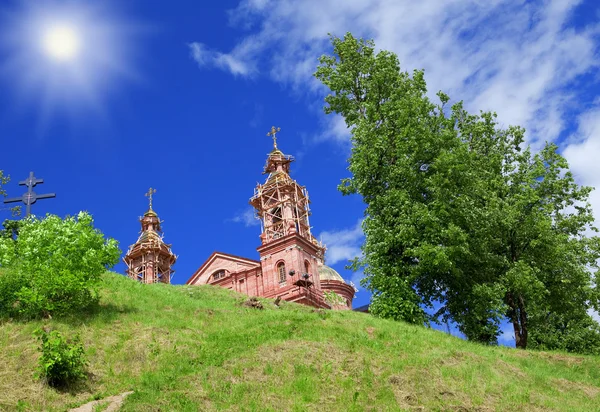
<point>460,211</point>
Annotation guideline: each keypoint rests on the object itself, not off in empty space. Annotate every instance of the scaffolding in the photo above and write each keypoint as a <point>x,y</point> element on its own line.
<point>149,263</point>
<point>150,259</point>
<point>281,204</point>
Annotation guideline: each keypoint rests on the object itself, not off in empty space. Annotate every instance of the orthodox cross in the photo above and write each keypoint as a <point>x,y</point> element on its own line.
<point>273,133</point>
<point>149,195</point>
<point>30,197</point>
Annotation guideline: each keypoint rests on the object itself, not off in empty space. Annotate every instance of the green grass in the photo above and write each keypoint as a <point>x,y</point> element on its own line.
<point>197,348</point>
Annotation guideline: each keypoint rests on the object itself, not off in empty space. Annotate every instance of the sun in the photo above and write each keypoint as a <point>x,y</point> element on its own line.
<point>67,58</point>
<point>61,42</point>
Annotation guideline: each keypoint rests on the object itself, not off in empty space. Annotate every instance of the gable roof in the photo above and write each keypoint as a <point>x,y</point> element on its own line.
<point>212,257</point>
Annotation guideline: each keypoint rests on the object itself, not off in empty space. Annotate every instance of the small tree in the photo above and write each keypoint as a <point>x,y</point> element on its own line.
<point>59,262</point>
<point>62,362</point>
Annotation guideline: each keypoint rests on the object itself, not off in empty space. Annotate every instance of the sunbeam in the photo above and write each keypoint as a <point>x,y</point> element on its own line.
<point>65,57</point>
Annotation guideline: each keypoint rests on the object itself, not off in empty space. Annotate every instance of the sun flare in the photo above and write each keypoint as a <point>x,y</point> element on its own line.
<point>61,42</point>
<point>67,58</point>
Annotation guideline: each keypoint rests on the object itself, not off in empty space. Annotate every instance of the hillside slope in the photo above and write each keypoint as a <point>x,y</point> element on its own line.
<point>198,348</point>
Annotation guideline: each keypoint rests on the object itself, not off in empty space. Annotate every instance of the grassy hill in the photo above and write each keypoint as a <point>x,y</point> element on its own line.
<point>199,348</point>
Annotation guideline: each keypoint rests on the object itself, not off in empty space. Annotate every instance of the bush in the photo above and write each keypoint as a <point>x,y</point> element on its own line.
<point>58,263</point>
<point>333,299</point>
<point>62,362</point>
<point>10,284</point>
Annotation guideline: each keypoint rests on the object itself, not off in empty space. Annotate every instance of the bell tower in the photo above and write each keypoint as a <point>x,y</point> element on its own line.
<point>150,260</point>
<point>290,255</point>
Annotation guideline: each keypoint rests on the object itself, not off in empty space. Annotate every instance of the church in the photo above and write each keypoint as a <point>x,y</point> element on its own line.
<point>291,264</point>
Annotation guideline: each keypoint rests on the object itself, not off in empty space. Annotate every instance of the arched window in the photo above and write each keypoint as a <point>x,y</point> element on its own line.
<point>306,267</point>
<point>219,274</point>
<point>281,272</point>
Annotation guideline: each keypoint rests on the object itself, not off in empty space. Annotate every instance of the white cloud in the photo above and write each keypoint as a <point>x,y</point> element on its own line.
<point>335,129</point>
<point>594,315</point>
<point>344,244</point>
<point>247,217</point>
<point>356,278</point>
<point>507,334</point>
<point>582,153</point>
<point>504,55</point>
<point>524,60</point>
<point>236,62</point>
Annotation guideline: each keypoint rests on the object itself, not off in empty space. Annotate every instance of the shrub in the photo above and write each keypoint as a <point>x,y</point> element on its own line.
<point>59,263</point>
<point>333,298</point>
<point>10,284</point>
<point>62,362</point>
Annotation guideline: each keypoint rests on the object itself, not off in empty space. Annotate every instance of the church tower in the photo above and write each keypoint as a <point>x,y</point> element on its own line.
<point>150,260</point>
<point>289,254</point>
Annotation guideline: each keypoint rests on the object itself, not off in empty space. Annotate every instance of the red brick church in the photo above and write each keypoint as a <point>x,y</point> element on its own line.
<point>291,260</point>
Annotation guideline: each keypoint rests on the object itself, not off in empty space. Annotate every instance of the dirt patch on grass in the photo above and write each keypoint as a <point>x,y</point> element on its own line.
<point>253,302</point>
<point>405,396</point>
<point>565,385</point>
<point>110,404</point>
<point>570,360</point>
<point>455,358</point>
<point>512,369</point>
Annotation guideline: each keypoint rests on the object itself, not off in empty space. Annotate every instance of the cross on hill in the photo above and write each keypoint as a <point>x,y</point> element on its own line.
<point>30,197</point>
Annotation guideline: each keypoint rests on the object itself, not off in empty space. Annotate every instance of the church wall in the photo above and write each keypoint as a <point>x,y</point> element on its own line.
<point>218,262</point>
<point>344,290</point>
<point>294,256</point>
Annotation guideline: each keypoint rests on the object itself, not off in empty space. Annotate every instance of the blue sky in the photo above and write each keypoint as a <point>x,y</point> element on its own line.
<point>179,96</point>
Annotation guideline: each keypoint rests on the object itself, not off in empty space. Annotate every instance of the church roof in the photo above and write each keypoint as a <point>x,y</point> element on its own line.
<point>148,235</point>
<point>327,273</point>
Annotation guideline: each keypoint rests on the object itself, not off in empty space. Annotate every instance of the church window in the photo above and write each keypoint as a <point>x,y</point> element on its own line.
<point>277,226</point>
<point>306,267</point>
<point>276,212</point>
<point>219,274</point>
<point>281,272</point>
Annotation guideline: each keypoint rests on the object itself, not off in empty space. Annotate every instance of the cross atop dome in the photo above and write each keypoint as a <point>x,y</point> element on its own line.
<point>149,196</point>
<point>273,134</point>
<point>277,161</point>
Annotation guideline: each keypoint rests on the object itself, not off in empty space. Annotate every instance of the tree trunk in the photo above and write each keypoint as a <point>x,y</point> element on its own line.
<point>523,319</point>
<point>518,317</point>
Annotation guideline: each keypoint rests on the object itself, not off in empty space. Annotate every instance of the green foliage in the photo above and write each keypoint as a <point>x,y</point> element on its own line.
<point>4,179</point>
<point>11,283</point>
<point>558,331</point>
<point>459,211</point>
<point>58,262</point>
<point>11,229</point>
<point>62,362</point>
<point>333,298</point>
